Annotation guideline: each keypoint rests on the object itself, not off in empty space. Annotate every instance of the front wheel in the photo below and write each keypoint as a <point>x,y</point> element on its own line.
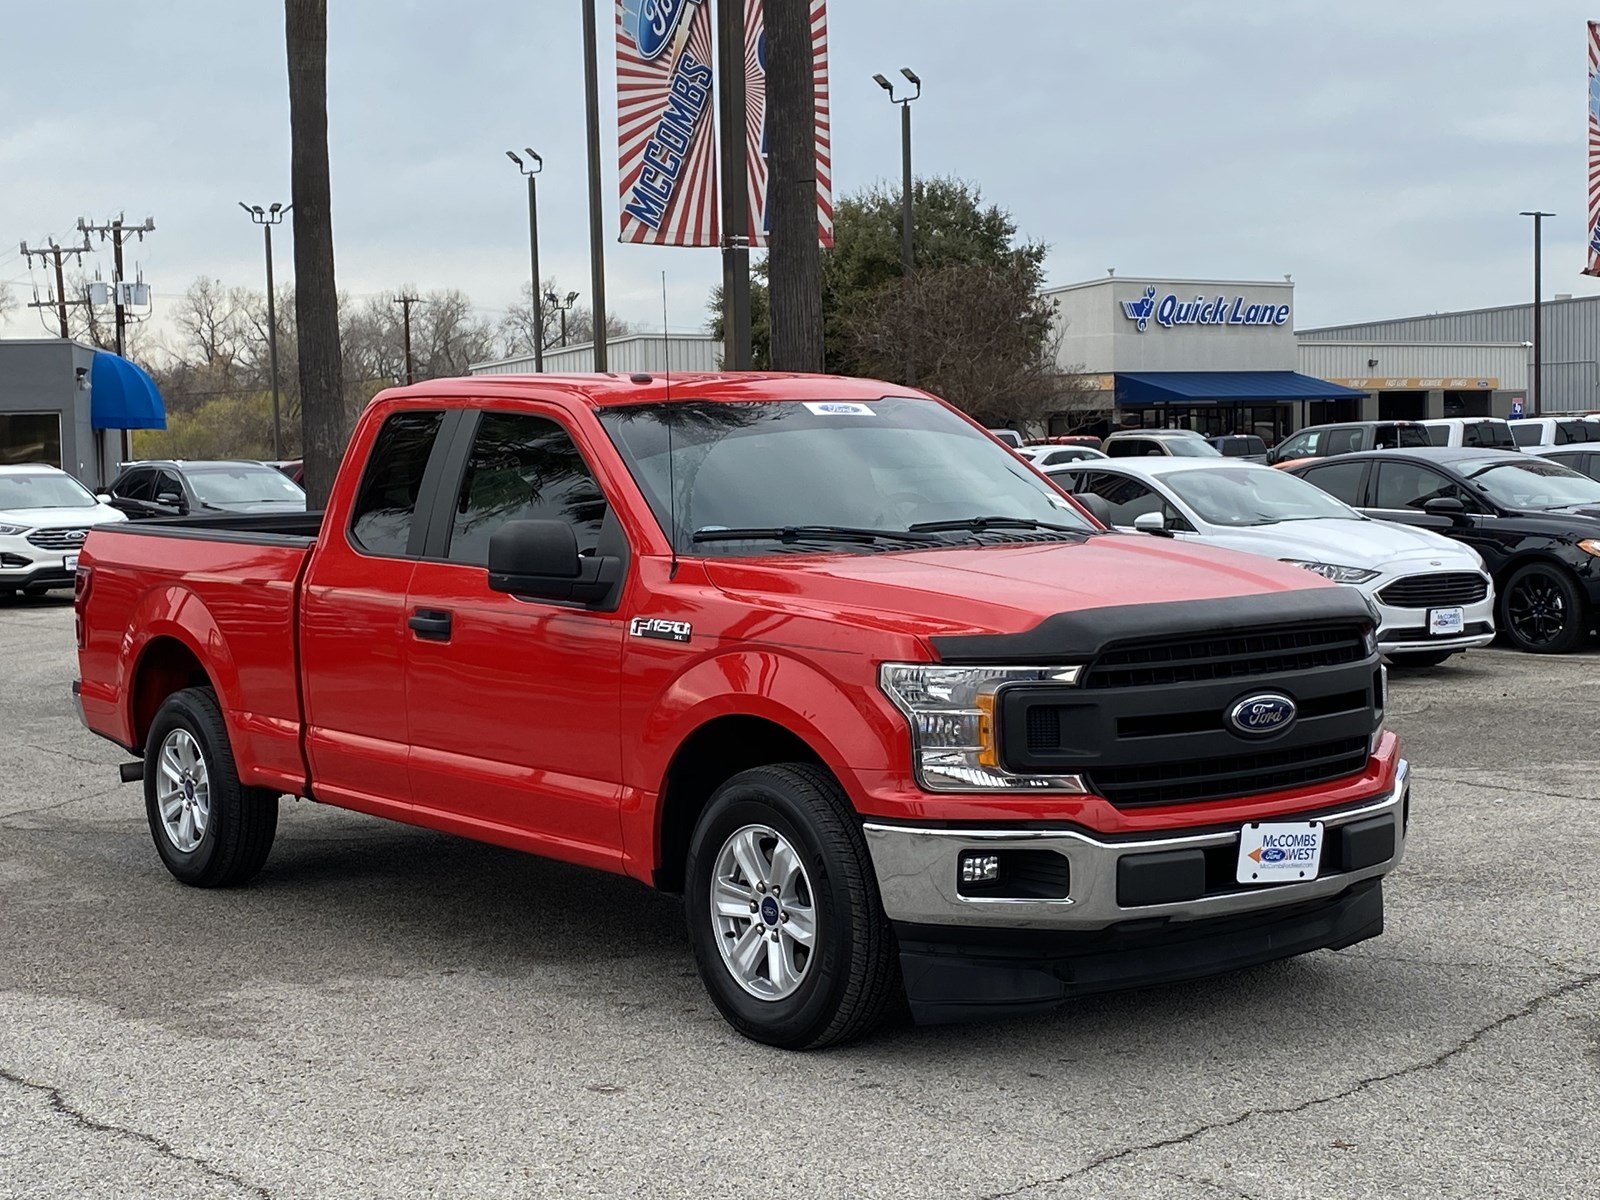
<point>210,830</point>
<point>783,910</point>
<point>1542,610</point>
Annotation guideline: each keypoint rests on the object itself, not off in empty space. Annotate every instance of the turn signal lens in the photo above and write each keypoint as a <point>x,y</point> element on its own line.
<point>1590,546</point>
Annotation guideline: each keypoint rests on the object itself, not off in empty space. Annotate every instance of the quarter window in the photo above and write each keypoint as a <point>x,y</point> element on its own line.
<point>523,468</point>
<point>387,502</point>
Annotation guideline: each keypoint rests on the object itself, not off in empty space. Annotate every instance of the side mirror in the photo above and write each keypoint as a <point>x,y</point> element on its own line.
<point>540,559</point>
<point>103,497</point>
<point>1445,506</point>
<point>170,499</point>
<point>1098,508</point>
<point>1153,523</point>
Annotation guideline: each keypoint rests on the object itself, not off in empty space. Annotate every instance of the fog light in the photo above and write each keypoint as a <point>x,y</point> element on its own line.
<point>980,868</point>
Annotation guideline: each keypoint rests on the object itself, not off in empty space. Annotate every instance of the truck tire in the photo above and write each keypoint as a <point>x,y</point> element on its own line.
<point>801,956</point>
<point>209,829</point>
<point>1542,610</point>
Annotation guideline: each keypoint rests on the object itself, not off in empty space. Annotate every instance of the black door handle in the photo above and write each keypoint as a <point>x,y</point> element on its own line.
<point>430,623</point>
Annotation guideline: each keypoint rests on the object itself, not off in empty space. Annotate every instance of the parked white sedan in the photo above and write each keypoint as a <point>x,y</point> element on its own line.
<point>45,514</point>
<point>1433,596</point>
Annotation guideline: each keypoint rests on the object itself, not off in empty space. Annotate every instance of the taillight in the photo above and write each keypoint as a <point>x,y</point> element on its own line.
<point>82,581</point>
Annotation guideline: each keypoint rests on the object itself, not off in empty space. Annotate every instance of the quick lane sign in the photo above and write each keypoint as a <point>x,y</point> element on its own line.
<point>1170,312</point>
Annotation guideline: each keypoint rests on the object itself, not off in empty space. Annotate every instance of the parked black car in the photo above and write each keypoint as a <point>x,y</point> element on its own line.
<point>1348,437</point>
<point>1535,522</point>
<point>175,488</point>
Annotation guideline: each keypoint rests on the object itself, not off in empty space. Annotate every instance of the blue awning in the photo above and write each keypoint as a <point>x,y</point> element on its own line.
<point>122,396</point>
<point>1138,388</point>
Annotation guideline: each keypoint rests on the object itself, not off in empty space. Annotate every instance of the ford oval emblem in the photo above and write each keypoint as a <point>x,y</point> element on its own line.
<point>1263,715</point>
<point>651,24</point>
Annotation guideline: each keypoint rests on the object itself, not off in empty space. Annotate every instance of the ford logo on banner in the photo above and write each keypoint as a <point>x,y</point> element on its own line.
<point>1263,715</point>
<point>651,24</point>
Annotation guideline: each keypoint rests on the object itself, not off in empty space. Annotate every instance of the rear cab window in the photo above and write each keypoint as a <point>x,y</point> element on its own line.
<point>1439,435</point>
<point>1525,433</point>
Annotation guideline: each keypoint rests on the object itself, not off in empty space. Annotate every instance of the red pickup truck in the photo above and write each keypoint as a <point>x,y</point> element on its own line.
<point>895,716</point>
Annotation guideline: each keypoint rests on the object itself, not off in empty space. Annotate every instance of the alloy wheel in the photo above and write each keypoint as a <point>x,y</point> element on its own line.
<point>763,912</point>
<point>183,791</point>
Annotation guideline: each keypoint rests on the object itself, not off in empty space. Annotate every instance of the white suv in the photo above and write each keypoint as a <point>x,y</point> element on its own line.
<point>45,514</point>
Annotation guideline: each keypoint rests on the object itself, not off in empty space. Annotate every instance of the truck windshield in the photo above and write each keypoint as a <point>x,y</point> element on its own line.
<point>882,466</point>
<point>43,491</point>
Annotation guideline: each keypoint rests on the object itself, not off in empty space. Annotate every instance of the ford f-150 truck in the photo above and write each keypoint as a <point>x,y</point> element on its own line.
<point>894,715</point>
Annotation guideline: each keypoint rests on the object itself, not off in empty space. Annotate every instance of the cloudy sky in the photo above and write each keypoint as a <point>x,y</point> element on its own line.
<point>1378,150</point>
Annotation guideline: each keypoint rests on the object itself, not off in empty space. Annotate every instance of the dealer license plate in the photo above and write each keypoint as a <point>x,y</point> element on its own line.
<point>1279,851</point>
<point>1442,622</point>
<point>70,562</point>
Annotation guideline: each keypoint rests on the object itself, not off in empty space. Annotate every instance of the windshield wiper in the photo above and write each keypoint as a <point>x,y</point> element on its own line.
<point>979,524</point>
<point>809,533</point>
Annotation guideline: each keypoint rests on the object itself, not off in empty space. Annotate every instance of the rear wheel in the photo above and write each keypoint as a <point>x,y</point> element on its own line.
<point>1426,658</point>
<point>1542,610</point>
<point>783,910</point>
<point>210,830</point>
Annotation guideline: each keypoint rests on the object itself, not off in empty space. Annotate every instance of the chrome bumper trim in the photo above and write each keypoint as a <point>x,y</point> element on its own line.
<point>917,868</point>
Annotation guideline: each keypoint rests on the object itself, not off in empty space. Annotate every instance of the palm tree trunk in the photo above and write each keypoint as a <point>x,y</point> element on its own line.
<point>323,421</point>
<point>795,261</point>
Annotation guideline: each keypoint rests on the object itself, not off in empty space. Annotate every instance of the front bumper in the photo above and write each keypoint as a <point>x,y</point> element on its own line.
<point>50,575</point>
<point>1405,630</point>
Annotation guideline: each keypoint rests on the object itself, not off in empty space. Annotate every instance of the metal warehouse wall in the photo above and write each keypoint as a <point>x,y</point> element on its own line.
<point>624,355</point>
<point>1571,341</point>
<point>1506,363</point>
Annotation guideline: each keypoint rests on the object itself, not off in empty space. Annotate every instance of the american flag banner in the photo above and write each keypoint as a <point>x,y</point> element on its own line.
<point>755,101</point>
<point>667,160</point>
<point>1593,267</point>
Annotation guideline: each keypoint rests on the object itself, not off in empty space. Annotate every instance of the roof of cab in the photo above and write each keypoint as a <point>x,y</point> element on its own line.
<point>605,390</point>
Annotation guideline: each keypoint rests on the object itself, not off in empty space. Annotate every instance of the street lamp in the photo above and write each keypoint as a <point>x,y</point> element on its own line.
<point>906,259</point>
<point>1536,392</point>
<point>267,218</point>
<point>563,307</point>
<point>531,169</point>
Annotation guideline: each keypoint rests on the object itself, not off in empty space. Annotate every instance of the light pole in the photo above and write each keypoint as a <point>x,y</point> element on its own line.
<point>906,255</point>
<point>532,172</point>
<point>267,218</point>
<point>563,307</point>
<point>1537,390</point>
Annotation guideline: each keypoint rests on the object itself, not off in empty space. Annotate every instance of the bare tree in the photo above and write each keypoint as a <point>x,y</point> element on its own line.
<point>8,301</point>
<point>794,265</point>
<point>325,425</point>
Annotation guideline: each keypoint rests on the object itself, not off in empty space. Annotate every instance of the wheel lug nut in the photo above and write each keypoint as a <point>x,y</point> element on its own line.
<point>753,906</point>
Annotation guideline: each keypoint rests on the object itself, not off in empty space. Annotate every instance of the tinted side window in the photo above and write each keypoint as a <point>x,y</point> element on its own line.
<point>1341,441</point>
<point>1127,447</point>
<point>387,501</point>
<point>1301,445</point>
<point>1439,435</point>
<point>167,484</point>
<point>523,468</point>
<point>1409,485</point>
<point>1129,498</point>
<point>1409,436</point>
<point>1498,435</point>
<point>1341,480</point>
<point>135,485</point>
<point>1525,433</point>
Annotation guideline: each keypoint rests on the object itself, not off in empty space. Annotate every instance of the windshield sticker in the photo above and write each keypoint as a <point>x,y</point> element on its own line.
<point>839,408</point>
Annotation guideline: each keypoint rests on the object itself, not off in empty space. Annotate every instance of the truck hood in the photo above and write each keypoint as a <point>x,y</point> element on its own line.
<point>1004,588</point>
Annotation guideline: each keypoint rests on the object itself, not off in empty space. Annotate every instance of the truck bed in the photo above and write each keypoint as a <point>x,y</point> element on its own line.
<point>162,597</point>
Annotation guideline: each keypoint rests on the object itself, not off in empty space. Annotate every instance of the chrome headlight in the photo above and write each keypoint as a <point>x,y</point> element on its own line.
<point>13,530</point>
<point>1334,571</point>
<point>951,711</point>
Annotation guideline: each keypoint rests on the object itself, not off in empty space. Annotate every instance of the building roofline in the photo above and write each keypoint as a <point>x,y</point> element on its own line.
<point>1455,312</point>
<point>1404,345</point>
<point>610,341</point>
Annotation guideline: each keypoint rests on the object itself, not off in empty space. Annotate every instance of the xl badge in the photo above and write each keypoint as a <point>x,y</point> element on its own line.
<point>1263,715</point>
<point>660,628</point>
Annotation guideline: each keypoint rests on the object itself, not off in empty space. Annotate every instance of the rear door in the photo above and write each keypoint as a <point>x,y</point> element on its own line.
<point>515,703</point>
<point>353,635</point>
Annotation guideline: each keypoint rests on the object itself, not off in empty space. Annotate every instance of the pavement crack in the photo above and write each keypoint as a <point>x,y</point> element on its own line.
<point>1574,984</point>
<point>57,752</point>
<point>44,808</point>
<point>59,1103</point>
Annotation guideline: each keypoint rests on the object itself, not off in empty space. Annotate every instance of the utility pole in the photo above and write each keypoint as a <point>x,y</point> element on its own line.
<point>531,169</point>
<point>117,232</point>
<point>736,355</point>
<point>597,254</point>
<point>1536,392</point>
<point>267,218</point>
<point>405,301</point>
<point>907,255</point>
<point>55,252</point>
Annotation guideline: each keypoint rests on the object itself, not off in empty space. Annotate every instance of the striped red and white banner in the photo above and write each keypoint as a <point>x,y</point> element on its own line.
<point>755,100</point>
<point>1593,265</point>
<point>666,153</point>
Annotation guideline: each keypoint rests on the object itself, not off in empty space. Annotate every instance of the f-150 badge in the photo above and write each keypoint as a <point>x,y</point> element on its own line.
<point>660,628</point>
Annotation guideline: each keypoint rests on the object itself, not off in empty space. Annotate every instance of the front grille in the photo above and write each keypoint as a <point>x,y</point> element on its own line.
<point>1229,775</point>
<point>58,539</point>
<point>1430,591</point>
<point>1226,656</point>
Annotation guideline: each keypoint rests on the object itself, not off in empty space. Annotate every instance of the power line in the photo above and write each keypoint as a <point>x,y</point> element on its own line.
<point>55,252</point>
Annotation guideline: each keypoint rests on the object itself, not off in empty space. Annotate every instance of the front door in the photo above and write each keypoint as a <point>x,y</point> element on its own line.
<point>514,703</point>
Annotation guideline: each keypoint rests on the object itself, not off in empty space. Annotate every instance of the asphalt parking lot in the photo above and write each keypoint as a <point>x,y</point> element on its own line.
<point>390,1012</point>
